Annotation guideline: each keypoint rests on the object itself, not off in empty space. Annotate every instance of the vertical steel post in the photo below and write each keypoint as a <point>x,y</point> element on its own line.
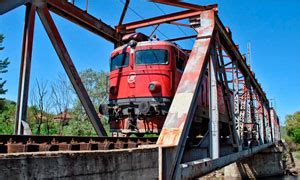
<point>270,135</point>
<point>213,109</point>
<point>262,126</point>
<point>236,104</point>
<point>71,71</point>
<point>272,114</point>
<point>253,115</point>
<point>260,118</point>
<point>266,124</point>
<point>248,115</point>
<point>226,91</point>
<point>270,123</point>
<point>22,101</point>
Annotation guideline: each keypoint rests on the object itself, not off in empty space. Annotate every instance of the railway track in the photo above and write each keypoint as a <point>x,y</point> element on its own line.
<point>32,143</point>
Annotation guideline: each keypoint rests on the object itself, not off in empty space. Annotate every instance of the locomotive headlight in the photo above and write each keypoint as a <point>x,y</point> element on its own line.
<point>154,87</point>
<point>151,87</point>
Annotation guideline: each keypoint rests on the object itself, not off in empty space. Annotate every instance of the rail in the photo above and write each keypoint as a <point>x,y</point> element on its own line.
<point>32,143</point>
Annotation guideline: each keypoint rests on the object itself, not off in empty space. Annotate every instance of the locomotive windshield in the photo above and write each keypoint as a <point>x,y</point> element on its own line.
<point>151,56</point>
<point>120,60</point>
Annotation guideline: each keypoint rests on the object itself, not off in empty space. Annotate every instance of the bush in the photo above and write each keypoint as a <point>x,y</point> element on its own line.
<point>291,144</point>
<point>292,123</point>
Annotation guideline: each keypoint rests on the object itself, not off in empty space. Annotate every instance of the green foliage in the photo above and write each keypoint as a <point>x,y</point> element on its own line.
<point>48,101</point>
<point>296,135</point>
<point>3,69</point>
<point>7,117</point>
<point>293,126</point>
<point>95,84</point>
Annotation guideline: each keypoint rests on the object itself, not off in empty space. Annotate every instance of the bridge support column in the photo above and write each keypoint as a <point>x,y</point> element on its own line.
<point>21,111</point>
<point>263,164</point>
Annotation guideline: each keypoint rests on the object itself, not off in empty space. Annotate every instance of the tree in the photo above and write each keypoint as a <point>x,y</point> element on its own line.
<point>41,103</point>
<point>7,117</point>
<point>62,95</point>
<point>3,69</point>
<point>96,85</point>
<point>293,126</point>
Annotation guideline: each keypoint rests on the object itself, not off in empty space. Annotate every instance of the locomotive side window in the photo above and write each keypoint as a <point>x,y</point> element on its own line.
<point>180,64</point>
<point>151,56</point>
<point>118,61</point>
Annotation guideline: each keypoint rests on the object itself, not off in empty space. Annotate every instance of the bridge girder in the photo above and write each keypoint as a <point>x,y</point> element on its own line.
<point>8,5</point>
<point>182,111</point>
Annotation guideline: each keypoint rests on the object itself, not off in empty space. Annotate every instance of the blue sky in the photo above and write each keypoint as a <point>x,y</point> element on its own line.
<point>272,27</point>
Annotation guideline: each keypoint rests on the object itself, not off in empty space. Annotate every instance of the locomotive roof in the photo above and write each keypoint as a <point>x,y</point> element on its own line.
<point>148,43</point>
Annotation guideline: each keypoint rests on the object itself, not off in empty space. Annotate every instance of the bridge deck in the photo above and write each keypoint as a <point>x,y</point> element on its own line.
<point>143,162</point>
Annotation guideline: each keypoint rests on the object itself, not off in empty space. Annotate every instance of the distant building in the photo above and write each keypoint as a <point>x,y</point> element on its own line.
<point>63,117</point>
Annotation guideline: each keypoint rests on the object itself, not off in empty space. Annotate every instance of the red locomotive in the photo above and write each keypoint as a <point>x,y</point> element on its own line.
<point>143,79</point>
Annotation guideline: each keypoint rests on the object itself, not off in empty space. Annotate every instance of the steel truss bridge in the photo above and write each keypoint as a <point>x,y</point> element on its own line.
<point>249,115</point>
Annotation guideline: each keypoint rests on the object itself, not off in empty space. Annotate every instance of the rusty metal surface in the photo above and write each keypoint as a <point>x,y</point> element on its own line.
<point>83,19</point>
<point>157,20</point>
<point>22,143</point>
<point>21,111</point>
<point>187,89</point>
<point>178,121</point>
<point>182,38</point>
<point>125,8</point>
<point>181,4</point>
<point>174,136</point>
<point>8,5</point>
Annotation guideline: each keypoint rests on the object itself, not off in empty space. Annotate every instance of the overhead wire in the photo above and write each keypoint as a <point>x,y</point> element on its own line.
<point>140,16</point>
<point>158,7</point>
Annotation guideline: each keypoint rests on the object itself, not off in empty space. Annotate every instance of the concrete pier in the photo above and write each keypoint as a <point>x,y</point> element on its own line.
<point>266,163</point>
<point>139,163</point>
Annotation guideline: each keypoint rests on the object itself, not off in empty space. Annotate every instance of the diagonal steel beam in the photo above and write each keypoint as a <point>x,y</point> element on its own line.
<point>22,101</point>
<point>83,19</point>
<point>226,90</point>
<point>124,12</point>
<point>72,73</point>
<point>180,115</point>
<point>8,5</point>
<point>182,38</point>
<point>178,3</point>
<point>158,20</point>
